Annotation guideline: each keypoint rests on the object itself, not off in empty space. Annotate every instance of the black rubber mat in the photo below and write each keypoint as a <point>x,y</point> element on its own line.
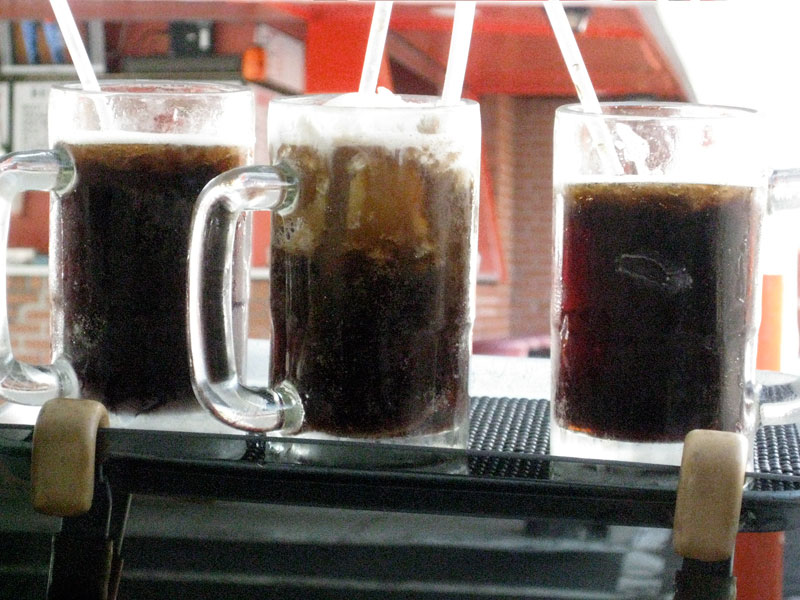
<point>509,425</point>
<point>522,425</point>
<point>777,447</point>
<point>777,452</point>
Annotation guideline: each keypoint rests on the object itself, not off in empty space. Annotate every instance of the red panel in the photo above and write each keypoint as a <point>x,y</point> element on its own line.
<point>335,49</point>
<point>500,63</point>
<point>758,566</point>
<point>335,53</point>
<point>29,228</point>
<point>492,267</point>
<point>768,355</point>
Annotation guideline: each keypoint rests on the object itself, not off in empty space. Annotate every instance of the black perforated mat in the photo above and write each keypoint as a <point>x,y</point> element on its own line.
<point>777,452</point>
<point>777,447</point>
<point>509,425</point>
<point>522,425</point>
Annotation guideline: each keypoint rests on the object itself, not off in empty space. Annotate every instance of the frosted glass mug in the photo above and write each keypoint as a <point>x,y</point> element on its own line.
<point>656,282</point>
<point>372,273</point>
<point>125,167</point>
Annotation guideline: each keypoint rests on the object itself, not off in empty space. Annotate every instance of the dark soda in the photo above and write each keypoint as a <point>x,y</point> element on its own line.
<point>653,320</point>
<point>121,235</point>
<point>370,291</point>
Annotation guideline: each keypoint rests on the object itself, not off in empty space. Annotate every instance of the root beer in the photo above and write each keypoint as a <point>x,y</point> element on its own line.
<point>653,317</point>
<point>122,233</point>
<point>370,295</point>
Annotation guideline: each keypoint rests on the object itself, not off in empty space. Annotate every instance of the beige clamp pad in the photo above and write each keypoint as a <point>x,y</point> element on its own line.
<point>709,494</point>
<point>63,456</point>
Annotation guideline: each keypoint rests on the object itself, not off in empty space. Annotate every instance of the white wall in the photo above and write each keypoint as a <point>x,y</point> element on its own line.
<point>747,53</point>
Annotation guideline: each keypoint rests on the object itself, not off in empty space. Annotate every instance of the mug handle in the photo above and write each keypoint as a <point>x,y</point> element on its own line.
<point>779,393</point>
<point>215,378</point>
<point>23,383</point>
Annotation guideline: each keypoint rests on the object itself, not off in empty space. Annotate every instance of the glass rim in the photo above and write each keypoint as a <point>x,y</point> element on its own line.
<point>654,110</point>
<point>414,102</point>
<point>154,87</point>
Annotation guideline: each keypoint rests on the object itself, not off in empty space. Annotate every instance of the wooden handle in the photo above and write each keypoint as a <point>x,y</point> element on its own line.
<point>63,455</point>
<point>709,495</point>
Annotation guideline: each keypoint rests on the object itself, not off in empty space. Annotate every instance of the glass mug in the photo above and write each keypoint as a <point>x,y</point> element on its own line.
<point>373,259</point>
<point>656,287</point>
<point>125,169</point>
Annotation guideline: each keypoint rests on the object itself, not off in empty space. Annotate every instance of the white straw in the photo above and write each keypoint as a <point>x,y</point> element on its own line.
<point>375,45</point>
<point>459,51</point>
<point>72,38</point>
<point>583,83</point>
<point>572,55</point>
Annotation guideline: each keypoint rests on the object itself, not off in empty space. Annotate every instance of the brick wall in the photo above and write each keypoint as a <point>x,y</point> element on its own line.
<point>493,299</point>
<point>518,136</point>
<point>259,309</point>
<point>29,318</point>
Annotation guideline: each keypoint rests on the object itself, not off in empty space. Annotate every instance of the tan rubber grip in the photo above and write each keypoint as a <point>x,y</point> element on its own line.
<point>63,455</point>
<point>709,494</point>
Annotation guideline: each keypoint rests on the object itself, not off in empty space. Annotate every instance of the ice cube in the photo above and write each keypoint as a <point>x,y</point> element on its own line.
<point>654,271</point>
<point>634,148</point>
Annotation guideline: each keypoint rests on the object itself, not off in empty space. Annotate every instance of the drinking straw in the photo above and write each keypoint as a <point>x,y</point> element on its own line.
<point>581,80</point>
<point>375,45</point>
<point>572,56</point>
<point>72,38</point>
<point>459,51</point>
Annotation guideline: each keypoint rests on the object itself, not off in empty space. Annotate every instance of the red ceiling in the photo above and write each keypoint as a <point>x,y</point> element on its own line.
<point>513,50</point>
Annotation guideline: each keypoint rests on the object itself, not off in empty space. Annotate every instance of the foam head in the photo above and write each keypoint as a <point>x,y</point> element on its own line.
<point>154,112</point>
<point>383,119</point>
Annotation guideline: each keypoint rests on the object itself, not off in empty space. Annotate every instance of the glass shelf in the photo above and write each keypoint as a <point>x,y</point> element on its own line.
<point>493,479</point>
